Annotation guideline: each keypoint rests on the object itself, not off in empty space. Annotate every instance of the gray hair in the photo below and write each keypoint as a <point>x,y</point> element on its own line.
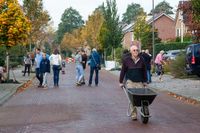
<point>94,49</point>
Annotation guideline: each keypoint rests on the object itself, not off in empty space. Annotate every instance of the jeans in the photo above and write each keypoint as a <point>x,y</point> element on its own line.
<point>39,75</point>
<point>79,73</point>
<point>56,72</point>
<point>149,76</point>
<point>45,79</point>
<point>27,66</point>
<point>92,69</point>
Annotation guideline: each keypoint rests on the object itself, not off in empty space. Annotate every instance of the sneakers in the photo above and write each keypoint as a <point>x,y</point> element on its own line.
<point>89,85</point>
<point>134,116</point>
<point>78,84</point>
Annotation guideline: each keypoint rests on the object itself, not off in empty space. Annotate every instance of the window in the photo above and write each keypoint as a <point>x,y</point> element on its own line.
<point>189,51</point>
<point>178,32</point>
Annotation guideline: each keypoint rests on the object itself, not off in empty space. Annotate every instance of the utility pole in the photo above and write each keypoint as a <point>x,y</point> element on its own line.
<point>153,30</point>
<point>181,24</point>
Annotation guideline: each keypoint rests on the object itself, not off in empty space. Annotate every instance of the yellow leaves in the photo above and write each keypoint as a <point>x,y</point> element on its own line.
<point>88,33</point>
<point>14,26</point>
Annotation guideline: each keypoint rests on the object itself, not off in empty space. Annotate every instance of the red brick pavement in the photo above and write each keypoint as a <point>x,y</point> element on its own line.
<point>102,109</point>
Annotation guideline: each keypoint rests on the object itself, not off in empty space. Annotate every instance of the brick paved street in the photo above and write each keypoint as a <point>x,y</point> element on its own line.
<point>102,109</point>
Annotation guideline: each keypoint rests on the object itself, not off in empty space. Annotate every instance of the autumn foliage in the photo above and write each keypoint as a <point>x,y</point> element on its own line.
<point>191,17</point>
<point>14,26</point>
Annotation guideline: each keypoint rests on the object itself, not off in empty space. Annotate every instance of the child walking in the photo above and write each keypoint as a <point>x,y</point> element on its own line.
<point>44,69</point>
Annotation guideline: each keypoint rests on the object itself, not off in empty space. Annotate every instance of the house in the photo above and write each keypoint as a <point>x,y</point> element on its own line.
<point>128,36</point>
<point>165,25</point>
<point>180,24</point>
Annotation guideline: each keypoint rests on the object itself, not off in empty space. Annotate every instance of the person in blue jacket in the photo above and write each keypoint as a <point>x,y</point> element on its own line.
<point>94,63</point>
<point>44,69</point>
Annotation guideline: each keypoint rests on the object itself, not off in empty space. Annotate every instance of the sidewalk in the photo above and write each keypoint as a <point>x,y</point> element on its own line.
<point>8,89</point>
<point>188,88</point>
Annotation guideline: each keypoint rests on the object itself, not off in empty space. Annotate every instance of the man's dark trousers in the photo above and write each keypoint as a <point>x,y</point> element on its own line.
<point>39,75</point>
<point>92,69</point>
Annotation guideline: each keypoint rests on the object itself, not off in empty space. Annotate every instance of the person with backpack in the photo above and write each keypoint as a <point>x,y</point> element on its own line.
<point>95,65</point>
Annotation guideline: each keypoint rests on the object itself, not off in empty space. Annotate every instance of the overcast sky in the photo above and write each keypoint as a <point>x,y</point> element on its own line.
<point>86,7</point>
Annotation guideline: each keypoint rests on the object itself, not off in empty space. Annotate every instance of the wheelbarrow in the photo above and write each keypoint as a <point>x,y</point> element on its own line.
<point>141,98</point>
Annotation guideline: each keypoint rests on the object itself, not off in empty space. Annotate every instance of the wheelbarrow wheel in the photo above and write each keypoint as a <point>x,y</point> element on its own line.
<point>145,111</point>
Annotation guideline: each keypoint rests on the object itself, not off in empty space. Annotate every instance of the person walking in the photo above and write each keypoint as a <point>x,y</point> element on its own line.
<point>159,64</point>
<point>55,60</point>
<point>147,58</point>
<point>38,59</point>
<point>79,68</point>
<point>134,69</point>
<point>84,62</point>
<point>44,69</point>
<point>27,65</point>
<point>94,66</point>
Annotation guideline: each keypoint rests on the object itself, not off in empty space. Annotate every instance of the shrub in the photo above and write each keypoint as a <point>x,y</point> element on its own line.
<point>177,66</point>
<point>166,67</point>
<point>170,46</point>
<point>118,54</point>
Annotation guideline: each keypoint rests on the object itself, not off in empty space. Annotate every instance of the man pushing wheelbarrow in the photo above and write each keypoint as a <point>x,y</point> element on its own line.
<point>133,77</point>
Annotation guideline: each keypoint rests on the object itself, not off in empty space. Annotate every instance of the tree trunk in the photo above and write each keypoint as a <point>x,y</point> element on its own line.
<point>7,65</point>
<point>113,53</point>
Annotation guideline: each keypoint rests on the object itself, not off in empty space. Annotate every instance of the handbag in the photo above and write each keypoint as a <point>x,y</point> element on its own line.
<point>98,66</point>
<point>59,67</point>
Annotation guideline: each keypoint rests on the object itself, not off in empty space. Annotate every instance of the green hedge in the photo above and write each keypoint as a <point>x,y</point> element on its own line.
<point>170,46</point>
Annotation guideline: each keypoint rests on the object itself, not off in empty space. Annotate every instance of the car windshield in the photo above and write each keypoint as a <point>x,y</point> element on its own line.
<point>175,53</point>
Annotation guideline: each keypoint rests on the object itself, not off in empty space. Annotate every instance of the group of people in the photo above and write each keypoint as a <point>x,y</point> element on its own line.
<point>136,71</point>
<point>42,67</point>
<point>81,61</point>
<point>43,62</point>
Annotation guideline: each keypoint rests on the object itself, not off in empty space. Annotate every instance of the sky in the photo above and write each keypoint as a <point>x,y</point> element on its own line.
<point>86,7</point>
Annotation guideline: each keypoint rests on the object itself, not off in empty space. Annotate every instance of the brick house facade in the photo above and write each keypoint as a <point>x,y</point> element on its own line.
<point>165,26</point>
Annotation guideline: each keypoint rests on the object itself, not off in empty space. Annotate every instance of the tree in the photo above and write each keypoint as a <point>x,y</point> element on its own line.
<point>196,9</point>
<point>191,18</point>
<point>143,32</point>
<point>39,19</point>
<point>90,32</point>
<point>113,32</point>
<point>72,40</point>
<point>14,26</point>
<point>163,7</point>
<point>133,10</point>
<point>71,19</point>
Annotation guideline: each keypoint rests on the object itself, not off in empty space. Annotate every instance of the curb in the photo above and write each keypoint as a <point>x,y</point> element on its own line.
<point>12,92</point>
<point>178,96</point>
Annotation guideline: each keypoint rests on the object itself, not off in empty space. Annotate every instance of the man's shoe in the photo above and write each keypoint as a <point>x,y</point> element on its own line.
<point>39,86</point>
<point>134,118</point>
<point>89,85</point>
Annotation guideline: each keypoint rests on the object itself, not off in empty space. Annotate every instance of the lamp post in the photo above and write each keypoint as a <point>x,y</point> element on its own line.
<point>153,30</point>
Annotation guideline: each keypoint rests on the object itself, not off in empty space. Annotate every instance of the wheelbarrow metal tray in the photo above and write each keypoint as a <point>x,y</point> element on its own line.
<point>137,95</point>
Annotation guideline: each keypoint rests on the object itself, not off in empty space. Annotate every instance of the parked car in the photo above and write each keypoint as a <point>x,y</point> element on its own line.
<point>193,59</point>
<point>171,54</point>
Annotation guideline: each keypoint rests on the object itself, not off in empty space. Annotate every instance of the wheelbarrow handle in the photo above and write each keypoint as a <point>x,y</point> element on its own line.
<point>125,91</point>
